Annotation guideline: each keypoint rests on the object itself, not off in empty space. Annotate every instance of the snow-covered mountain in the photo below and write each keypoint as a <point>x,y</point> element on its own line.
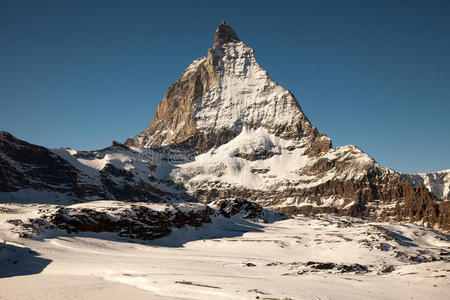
<point>437,182</point>
<point>31,173</point>
<point>226,130</point>
<point>254,141</point>
<point>223,94</point>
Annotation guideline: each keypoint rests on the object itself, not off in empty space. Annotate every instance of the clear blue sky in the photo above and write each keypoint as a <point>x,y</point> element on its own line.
<point>375,74</point>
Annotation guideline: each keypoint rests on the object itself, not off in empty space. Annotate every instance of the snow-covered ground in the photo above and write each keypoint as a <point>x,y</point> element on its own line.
<point>305,257</point>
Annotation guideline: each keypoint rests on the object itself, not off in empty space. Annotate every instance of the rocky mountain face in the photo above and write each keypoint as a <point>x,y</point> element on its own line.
<point>220,95</point>
<point>226,130</point>
<point>437,182</point>
<point>31,173</point>
<point>26,165</point>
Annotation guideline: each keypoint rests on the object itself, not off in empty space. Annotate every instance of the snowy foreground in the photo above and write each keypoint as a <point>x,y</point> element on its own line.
<point>321,257</point>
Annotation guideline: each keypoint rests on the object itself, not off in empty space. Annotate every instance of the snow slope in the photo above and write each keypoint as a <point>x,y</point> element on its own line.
<point>246,95</point>
<point>225,164</point>
<point>322,257</point>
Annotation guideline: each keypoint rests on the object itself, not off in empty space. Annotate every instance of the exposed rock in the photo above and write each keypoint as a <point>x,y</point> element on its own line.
<point>119,145</point>
<point>387,269</point>
<point>145,221</point>
<point>341,268</point>
<point>259,170</point>
<point>24,165</point>
<point>138,222</point>
<point>249,210</point>
<point>321,143</point>
<point>173,121</point>
<point>257,155</point>
<point>225,34</point>
<point>320,265</point>
<point>356,268</point>
<point>438,182</point>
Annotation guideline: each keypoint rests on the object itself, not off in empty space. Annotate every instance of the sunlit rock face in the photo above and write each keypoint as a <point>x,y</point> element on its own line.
<point>222,94</point>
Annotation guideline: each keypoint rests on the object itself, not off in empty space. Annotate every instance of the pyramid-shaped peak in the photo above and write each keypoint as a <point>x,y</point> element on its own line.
<point>225,34</point>
<point>220,96</point>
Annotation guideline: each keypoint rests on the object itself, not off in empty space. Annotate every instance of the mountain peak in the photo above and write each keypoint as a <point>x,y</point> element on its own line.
<point>225,34</point>
<point>222,95</point>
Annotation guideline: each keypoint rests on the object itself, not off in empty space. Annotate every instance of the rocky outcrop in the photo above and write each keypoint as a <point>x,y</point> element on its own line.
<point>248,210</point>
<point>321,143</point>
<point>225,34</point>
<point>145,221</point>
<point>136,221</point>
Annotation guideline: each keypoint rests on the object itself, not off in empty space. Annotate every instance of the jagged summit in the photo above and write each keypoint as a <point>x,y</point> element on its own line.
<point>225,34</point>
<point>223,94</point>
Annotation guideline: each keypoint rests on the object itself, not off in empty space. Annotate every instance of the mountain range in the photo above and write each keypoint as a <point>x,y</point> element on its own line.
<point>227,130</point>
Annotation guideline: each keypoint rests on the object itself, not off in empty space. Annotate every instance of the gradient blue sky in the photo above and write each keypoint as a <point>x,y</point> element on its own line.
<point>375,74</point>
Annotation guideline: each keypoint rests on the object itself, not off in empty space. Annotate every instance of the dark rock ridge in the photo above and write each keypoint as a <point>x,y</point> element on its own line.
<point>225,34</point>
<point>229,208</point>
<point>25,166</point>
<point>138,221</point>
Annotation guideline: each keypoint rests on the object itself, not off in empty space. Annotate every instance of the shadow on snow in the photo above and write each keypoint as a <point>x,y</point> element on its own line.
<point>19,261</point>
